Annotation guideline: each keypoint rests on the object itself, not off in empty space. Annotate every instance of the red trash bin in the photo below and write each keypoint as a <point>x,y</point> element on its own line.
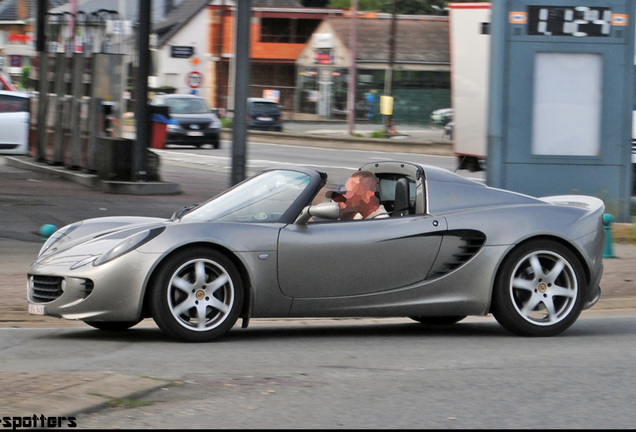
<point>159,119</point>
<point>158,135</point>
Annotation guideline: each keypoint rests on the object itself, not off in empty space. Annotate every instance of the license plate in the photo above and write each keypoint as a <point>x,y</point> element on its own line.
<point>195,133</point>
<point>36,309</point>
<point>264,118</point>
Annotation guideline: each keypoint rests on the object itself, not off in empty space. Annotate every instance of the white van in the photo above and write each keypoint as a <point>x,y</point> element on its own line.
<point>14,122</point>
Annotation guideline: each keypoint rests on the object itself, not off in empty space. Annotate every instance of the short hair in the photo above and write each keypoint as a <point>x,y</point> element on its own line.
<point>366,174</point>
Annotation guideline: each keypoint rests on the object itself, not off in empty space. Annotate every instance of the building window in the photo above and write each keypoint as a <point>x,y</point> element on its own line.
<point>285,30</point>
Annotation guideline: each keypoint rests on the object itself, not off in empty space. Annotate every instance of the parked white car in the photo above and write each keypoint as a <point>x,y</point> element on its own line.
<point>14,122</point>
<point>442,116</point>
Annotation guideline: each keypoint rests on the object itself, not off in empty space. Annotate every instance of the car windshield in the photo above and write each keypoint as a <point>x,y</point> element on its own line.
<point>265,107</point>
<point>186,106</point>
<point>263,198</point>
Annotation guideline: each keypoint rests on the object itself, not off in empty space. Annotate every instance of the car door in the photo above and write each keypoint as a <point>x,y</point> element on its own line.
<point>347,258</point>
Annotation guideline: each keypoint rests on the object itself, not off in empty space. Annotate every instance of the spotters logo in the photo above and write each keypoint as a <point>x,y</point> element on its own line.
<point>35,421</point>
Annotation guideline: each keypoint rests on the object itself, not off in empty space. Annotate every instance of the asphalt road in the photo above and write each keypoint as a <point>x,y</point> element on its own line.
<point>351,374</point>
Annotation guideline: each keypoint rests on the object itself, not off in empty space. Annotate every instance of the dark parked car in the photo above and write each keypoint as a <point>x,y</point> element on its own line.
<point>264,114</point>
<point>195,122</point>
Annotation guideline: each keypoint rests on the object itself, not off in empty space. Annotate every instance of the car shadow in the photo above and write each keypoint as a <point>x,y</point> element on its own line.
<point>354,329</point>
<point>299,330</point>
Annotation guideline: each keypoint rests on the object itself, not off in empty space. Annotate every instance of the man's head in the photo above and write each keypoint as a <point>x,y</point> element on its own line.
<point>360,194</point>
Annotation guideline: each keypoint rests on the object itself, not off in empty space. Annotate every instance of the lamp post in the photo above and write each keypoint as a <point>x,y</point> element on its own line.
<point>390,128</point>
<point>351,90</point>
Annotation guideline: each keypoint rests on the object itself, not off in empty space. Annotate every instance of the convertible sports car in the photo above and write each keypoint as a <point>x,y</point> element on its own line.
<point>272,246</point>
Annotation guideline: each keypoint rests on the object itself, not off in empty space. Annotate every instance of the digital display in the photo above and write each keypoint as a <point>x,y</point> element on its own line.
<point>578,21</point>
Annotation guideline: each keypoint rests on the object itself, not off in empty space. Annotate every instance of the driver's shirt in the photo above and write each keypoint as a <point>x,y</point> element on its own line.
<point>380,212</point>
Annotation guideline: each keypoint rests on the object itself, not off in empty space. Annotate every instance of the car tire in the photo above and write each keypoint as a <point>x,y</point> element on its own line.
<point>438,320</point>
<point>539,290</point>
<point>198,295</point>
<point>114,326</point>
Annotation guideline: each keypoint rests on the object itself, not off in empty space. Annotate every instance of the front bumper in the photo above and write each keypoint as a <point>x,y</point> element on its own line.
<point>266,126</point>
<point>194,137</point>
<point>111,292</point>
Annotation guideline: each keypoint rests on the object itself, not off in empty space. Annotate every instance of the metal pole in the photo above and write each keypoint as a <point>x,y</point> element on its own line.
<point>242,80</point>
<point>43,84</point>
<point>71,42</point>
<point>351,90</point>
<point>142,110</point>
<point>390,128</point>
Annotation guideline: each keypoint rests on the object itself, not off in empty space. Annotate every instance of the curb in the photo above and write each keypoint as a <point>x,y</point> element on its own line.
<point>92,181</point>
<point>398,144</point>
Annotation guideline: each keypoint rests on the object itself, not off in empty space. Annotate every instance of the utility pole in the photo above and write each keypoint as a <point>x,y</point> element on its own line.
<point>142,109</point>
<point>241,92</point>
<point>351,90</point>
<point>390,128</point>
<point>43,80</point>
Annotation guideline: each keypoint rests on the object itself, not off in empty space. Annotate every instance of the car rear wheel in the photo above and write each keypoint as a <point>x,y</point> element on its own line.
<point>539,290</point>
<point>198,295</point>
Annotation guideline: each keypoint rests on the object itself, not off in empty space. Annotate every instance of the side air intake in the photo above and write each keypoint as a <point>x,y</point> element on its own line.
<point>458,247</point>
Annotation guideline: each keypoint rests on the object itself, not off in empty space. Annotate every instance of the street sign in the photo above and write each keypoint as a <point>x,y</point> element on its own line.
<point>119,27</point>
<point>194,79</point>
<point>181,51</point>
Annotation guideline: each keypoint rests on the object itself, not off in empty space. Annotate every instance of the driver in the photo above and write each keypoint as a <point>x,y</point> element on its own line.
<point>360,200</point>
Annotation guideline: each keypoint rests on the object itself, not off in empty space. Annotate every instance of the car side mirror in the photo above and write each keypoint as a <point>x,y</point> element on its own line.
<point>324,210</point>
<point>183,210</point>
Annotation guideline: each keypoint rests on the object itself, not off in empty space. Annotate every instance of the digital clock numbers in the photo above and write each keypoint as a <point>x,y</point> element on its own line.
<point>578,21</point>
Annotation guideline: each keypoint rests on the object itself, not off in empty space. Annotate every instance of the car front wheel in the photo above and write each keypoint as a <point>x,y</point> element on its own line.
<point>539,290</point>
<point>198,295</point>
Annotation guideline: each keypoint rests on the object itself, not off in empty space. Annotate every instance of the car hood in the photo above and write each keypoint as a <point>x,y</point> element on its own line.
<point>97,234</point>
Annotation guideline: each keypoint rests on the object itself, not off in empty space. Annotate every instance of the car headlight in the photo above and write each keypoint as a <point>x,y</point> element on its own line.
<point>58,235</point>
<point>174,127</point>
<point>128,244</point>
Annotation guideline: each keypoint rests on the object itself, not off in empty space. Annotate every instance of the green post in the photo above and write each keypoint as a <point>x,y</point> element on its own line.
<point>607,223</point>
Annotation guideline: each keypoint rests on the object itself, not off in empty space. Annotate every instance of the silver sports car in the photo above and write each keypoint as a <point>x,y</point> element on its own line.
<point>272,246</point>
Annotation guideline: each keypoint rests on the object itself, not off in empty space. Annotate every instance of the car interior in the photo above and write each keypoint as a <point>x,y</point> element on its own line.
<point>396,193</point>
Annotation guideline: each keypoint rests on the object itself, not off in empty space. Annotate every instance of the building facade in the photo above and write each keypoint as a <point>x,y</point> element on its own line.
<point>303,56</point>
<point>419,75</point>
<point>277,36</point>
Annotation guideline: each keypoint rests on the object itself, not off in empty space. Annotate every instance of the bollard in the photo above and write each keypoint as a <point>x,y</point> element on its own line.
<point>47,231</point>
<point>607,223</point>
